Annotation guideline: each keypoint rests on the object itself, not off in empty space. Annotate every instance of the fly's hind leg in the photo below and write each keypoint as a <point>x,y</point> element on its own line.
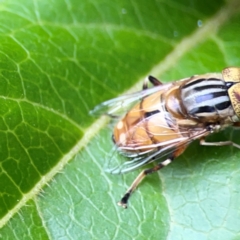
<point>152,80</point>
<point>139,178</point>
<point>225,143</point>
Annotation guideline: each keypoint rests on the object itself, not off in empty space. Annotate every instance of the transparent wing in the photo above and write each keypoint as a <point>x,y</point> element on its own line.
<point>136,160</point>
<point>120,105</point>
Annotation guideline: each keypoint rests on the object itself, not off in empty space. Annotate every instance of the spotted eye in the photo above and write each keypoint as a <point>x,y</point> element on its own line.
<point>234,94</point>
<point>237,95</point>
<point>231,74</point>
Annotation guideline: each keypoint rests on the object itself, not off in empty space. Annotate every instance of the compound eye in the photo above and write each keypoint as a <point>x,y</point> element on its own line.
<point>234,94</point>
<point>231,74</point>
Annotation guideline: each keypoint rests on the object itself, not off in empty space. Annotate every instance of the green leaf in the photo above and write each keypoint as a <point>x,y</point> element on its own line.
<point>59,59</point>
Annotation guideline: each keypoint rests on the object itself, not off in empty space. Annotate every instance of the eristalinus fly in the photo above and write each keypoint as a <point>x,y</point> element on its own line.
<point>164,119</point>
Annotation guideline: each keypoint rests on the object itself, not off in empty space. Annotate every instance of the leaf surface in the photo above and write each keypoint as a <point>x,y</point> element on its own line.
<point>61,58</point>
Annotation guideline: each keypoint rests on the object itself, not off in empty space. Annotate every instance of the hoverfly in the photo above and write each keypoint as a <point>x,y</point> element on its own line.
<point>165,119</point>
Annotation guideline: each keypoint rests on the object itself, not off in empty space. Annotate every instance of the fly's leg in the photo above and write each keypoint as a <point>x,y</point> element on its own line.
<point>152,80</point>
<point>139,178</point>
<point>225,143</point>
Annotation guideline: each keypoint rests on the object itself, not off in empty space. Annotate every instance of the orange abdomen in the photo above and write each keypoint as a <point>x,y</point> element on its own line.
<point>147,126</point>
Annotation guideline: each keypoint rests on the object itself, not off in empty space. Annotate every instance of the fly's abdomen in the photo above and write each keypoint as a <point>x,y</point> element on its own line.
<point>206,98</point>
<point>147,126</point>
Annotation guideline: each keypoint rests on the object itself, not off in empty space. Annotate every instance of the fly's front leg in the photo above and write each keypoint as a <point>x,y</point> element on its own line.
<point>152,80</point>
<point>225,143</point>
<point>139,178</point>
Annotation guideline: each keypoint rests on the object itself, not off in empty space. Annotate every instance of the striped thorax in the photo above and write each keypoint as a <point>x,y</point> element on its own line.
<point>207,98</point>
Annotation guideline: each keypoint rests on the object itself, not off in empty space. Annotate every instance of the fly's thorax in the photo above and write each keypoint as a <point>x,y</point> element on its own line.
<point>206,98</point>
